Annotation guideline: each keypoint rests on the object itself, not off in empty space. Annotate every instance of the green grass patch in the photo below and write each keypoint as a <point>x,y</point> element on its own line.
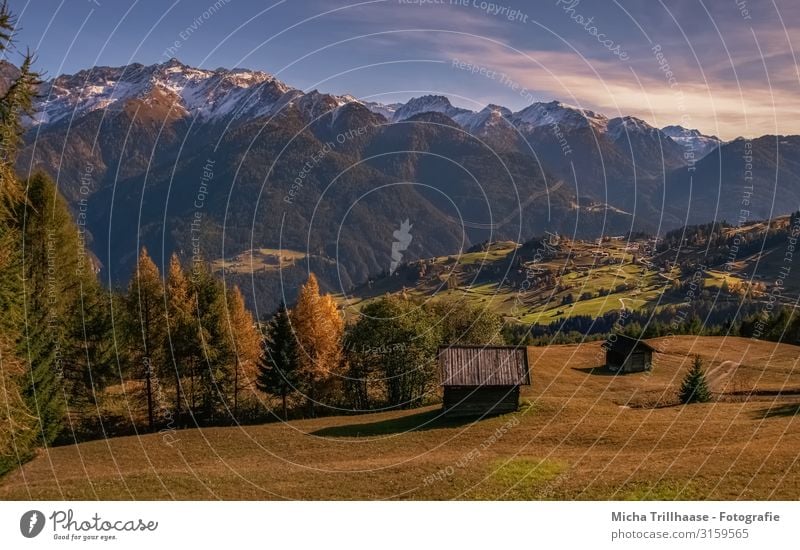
<point>715,279</point>
<point>523,478</point>
<point>473,258</point>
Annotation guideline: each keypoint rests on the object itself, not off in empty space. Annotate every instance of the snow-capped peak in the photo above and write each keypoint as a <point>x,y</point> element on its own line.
<point>490,117</point>
<point>431,104</point>
<point>692,139</point>
<point>215,94</point>
<point>205,93</point>
<point>566,116</point>
<point>620,126</point>
<point>497,109</point>
<point>345,99</point>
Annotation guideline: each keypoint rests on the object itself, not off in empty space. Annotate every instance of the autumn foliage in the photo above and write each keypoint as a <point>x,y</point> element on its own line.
<point>318,328</point>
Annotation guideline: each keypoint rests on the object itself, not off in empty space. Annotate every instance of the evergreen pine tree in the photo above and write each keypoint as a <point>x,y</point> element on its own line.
<point>694,388</point>
<point>278,368</point>
<point>18,425</point>
<point>90,353</point>
<point>59,300</point>
<point>43,387</point>
<point>61,290</point>
<point>145,329</point>
<point>15,103</point>
<point>779,324</point>
<point>18,434</point>
<point>214,373</point>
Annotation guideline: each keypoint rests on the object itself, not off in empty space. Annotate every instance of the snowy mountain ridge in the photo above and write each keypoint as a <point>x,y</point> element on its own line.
<point>211,95</point>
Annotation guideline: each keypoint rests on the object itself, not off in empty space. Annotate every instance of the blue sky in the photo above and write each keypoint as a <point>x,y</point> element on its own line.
<point>726,67</point>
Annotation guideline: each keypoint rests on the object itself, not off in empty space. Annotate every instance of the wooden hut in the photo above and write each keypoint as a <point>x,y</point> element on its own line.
<point>482,380</point>
<point>625,354</point>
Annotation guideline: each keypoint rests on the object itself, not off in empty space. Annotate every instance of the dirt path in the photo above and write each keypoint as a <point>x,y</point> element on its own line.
<point>721,378</point>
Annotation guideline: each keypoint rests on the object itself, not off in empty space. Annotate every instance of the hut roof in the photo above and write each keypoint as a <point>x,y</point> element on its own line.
<point>625,345</point>
<point>484,366</point>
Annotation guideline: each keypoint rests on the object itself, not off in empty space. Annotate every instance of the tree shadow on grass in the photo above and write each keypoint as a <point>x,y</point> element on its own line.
<point>597,371</point>
<point>776,411</point>
<point>423,421</point>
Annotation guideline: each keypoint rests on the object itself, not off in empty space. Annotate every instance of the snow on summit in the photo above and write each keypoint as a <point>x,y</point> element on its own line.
<point>207,93</point>
<point>214,94</point>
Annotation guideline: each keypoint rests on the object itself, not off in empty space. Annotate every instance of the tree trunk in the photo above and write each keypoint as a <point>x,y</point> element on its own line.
<point>236,392</point>
<point>283,396</point>
<point>149,389</point>
<point>177,397</point>
<point>192,388</point>
<point>312,400</point>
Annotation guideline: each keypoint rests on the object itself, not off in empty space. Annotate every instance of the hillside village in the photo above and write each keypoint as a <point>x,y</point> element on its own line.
<point>555,278</point>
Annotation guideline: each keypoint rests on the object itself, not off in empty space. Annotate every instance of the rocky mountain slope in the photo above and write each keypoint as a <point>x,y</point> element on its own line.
<point>217,162</point>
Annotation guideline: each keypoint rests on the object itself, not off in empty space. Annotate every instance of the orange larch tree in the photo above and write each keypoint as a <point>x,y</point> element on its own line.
<point>319,327</point>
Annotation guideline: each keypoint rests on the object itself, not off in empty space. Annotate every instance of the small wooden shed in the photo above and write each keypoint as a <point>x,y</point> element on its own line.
<point>625,354</point>
<point>482,380</point>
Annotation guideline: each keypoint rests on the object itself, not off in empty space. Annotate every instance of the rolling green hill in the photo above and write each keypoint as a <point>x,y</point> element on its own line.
<point>551,279</point>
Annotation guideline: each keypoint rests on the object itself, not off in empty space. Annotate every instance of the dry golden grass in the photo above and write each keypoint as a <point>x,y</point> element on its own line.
<point>576,437</point>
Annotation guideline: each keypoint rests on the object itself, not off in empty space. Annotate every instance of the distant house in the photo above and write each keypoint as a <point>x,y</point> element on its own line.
<point>625,354</point>
<point>482,380</point>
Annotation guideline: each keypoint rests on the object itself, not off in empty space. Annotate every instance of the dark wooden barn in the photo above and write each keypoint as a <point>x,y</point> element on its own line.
<point>482,380</point>
<point>625,354</point>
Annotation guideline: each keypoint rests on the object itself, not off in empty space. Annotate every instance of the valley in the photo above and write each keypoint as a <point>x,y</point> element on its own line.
<point>129,146</point>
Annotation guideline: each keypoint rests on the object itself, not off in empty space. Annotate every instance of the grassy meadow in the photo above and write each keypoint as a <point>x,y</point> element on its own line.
<point>580,434</point>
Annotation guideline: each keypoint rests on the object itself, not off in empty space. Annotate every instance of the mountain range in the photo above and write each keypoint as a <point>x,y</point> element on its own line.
<point>218,162</point>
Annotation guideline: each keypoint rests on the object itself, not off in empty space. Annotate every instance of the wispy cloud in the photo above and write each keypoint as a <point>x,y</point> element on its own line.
<point>734,70</point>
<point>734,77</point>
<point>712,102</point>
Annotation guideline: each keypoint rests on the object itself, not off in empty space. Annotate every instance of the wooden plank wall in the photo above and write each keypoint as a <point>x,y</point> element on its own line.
<point>479,401</point>
<point>466,366</point>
